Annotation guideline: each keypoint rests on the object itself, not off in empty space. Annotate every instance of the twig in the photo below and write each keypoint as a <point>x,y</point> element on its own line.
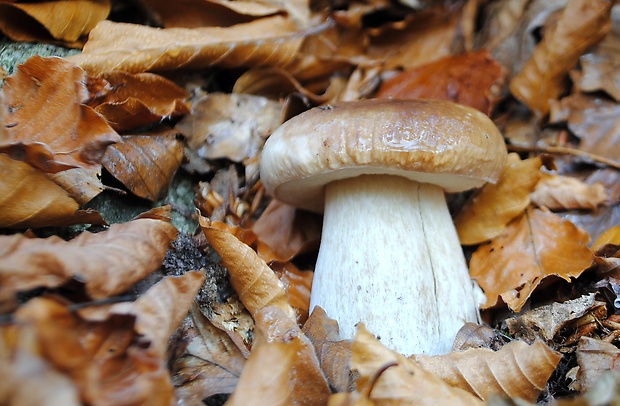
<point>567,151</point>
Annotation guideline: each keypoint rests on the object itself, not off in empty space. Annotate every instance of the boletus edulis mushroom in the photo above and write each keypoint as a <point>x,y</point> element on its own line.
<point>378,169</point>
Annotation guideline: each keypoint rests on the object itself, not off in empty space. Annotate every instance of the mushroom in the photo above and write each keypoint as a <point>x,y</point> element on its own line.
<point>389,255</point>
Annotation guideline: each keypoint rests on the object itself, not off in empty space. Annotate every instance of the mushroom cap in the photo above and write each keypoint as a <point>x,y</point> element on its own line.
<point>430,141</point>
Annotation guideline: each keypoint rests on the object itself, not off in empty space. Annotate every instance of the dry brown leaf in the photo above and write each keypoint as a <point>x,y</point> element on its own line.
<point>282,368</point>
<point>62,20</point>
<point>211,363</point>
<point>145,164</point>
<point>595,357</point>
<point>80,183</point>
<point>583,23</point>
<point>333,353</point>
<point>537,245</point>
<point>471,78</point>
<point>255,283</point>
<point>557,192</point>
<point>272,41</point>
<point>518,370</point>
<point>609,240</point>
<point>297,285</point>
<point>234,319</point>
<point>108,262</point>
<point>47,125</point>
<point>600,69</point>
<point>401,381</point>
<point>487,213</point>
<point>130,101</point>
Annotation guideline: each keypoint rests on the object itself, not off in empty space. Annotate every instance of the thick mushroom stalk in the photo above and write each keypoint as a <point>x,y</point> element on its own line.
<point>390,257</point>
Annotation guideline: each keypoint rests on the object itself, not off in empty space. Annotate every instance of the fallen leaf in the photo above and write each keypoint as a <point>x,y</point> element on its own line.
<point>595,357</point>
<point>471,79</point>
<point>518,370</point>
<point>297,285</point>
<point>282,368</point>
<point>271,41</point>
<point>108,262</point>
<point>145,164</point>
<point>61,20</point>
<point>80,183</point>
<point>47,124</point>
<point>234,319</point>
<point>255,283</point>
<point>608,242</point>
<point>600,68</point>
<point>557,192</point>
<point>583,23</point>
<point>130,101</point>
<point>534,247</point>
<point>211,363</point>
<point>488,212</point>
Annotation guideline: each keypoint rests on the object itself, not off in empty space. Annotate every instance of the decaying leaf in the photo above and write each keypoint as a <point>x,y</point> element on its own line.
<point>518,370</point>
<point>595,357</point>
<point>297,285</point>
<point>130,101</point>
<point>557,192</point>
<point>145,164</point>
<point>467,79</point>
<point>537,245</point>
<point>108,262</point>
<point>47,125</point>
<point>61,20</point>
<point>282,368</point>
<point>403,382</point>
<point>583,23</point>
<point>487,214</point>
<point>255,283</point>
<point>80,183</point>
<point>271,41</point>
<point>608,243</point>
<point>600,69</point>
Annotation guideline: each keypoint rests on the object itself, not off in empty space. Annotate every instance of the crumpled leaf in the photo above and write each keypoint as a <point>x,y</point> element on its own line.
<point>108,262</point>
<point>62,20</point>
<point>557,192</point>
<point>537,245</point>
<point>130,101</point>
<point>47,125</point>
<point>518,370</point>
<point>468,79</point>
<point>210,364</point>
<point>582,24</point>
<point>401,381</point>
<point>145,164</point>
<point>255,283</point>
<point>488,212</point>
<point>272,41</point>
<point>282,368</point>
<point>595,357</point>
<point>600,68</point>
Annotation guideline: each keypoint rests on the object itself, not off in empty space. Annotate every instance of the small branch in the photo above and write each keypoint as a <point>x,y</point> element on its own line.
<point>567,151</point>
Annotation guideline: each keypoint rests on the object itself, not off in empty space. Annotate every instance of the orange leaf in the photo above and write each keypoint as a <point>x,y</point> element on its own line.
<point>609,240</point>
<point>47,125</point>
<point>145,164</point>
<point>80,183</point>
<point>537,245</point>
<point>583,23</point>
<point>557,192</point>
<point>466,79</point>
<point>487,213</point>
<point>63,20</point>
<point>133,48</point>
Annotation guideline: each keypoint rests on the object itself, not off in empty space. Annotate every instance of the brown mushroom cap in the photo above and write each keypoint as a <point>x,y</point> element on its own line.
<point>430,141</point>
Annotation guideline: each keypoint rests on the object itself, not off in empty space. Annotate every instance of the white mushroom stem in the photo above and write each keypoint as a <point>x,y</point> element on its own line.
<point>390,258</point>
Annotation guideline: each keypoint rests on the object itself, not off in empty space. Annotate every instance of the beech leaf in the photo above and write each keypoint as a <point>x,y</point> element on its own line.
<point>133,48</point>
<point>145,164</point>
<point>582,24</point>
<point>595,357</point>
<point>537,245</point>
<point>599,68</point>
<point>518,370</point>
<point>47,124</point>
<point>80,183</point>
<point>557,192</point>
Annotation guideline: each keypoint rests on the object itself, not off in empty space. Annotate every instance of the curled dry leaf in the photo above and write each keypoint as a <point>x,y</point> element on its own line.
<point>211,363</point>
<point>401,381</point>
<point>272,41</point>
<point>108,262</point>
<point>608,243</point>
<point>487,213</point>
<point>557,192</point>
<point>130,101</point>
<point>599,68</point>
<point>47,125</point>
<point>282,368</point>
<point>518,370</point>
<point>297,285</point>
<point>537,245</point>
<point>145,164</point>
<point>582,24</point>
<point>255,283</point>
<point>595,357</point>
<point>63,20</point>
<point>471,78</point>
<point>80,183</point>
